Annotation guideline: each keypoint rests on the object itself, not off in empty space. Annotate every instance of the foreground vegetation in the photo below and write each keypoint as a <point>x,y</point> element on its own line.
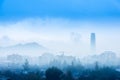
<point>53,73</point>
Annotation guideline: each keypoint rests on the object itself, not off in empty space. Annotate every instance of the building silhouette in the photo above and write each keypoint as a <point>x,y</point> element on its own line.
<point>93,42</point>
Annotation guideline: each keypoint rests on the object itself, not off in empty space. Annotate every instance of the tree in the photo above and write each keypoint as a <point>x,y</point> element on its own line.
<point>26,66</point>
<point>53,74</point>
<point>96,66</point>
<point>68,76</point>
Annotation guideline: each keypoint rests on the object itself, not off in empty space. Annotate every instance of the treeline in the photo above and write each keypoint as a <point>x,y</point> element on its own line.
<point>54,73</point>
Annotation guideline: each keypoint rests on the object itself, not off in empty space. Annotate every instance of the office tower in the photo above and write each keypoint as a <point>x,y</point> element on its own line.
<point>93,43</point>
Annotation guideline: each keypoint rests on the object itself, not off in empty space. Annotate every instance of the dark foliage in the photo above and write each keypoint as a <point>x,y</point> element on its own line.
<point>68,76</point>
<point>105,73</point>
<point>53,74</point>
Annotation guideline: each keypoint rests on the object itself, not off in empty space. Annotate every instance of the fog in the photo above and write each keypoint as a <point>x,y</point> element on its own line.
<point>57,34</point>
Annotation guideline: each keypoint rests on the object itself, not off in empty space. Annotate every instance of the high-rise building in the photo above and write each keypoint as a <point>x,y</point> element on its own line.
<point>93,43</point>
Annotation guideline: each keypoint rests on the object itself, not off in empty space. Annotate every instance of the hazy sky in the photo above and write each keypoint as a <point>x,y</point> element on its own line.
<point>62,25</point>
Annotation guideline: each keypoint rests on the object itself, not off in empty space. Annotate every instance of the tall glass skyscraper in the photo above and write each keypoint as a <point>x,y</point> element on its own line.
<point>93,43</point>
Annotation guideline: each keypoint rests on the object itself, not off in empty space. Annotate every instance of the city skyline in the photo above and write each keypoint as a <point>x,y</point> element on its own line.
<point>59,39</point>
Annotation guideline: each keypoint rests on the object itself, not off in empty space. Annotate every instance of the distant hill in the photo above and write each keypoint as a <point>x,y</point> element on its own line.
<point>33,49</point>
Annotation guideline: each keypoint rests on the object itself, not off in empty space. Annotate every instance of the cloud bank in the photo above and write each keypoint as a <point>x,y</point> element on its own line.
<point>69,36</point>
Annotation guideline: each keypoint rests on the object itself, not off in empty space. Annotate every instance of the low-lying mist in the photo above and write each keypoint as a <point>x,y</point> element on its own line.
<point>107,58</point>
